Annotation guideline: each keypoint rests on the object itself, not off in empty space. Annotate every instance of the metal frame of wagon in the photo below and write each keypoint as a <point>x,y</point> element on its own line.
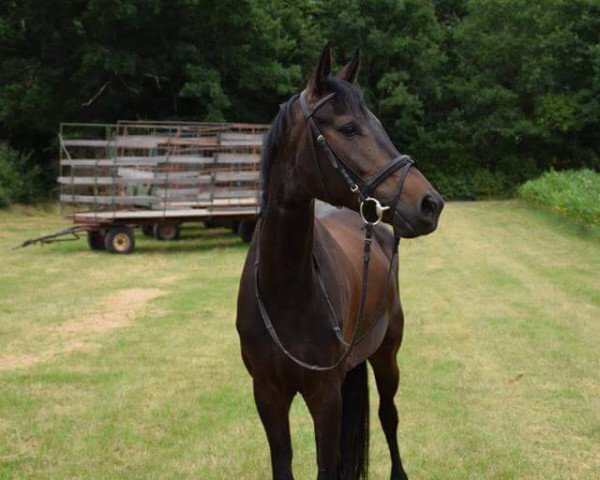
<point>189,171</point>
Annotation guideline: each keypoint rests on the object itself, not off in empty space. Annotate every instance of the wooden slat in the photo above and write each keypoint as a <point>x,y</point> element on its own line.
<point>142,214</point>
<point>156,202</point>
<point>167,192</point>
<point>210,193</point>
<point>134,174</point>
<point>89,163</point>
<point>145,142</point>
<point>142,142</point>
<point>87,180</point>
<point>161,180</point>
<point>237,158</point>
<point>86,143</point>
<point>198,141</point>
<point>240,136</point>
<point>237,176</point>
<point>109,200</point>
<point>158,214</point>
<point>210,203</point>
<point>140,161</point>
<point>237,210</point>
<point>249,139</point>
<point>235,201</point>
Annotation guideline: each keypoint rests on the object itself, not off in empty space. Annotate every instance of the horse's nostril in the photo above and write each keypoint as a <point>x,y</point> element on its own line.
<point>429,206</point>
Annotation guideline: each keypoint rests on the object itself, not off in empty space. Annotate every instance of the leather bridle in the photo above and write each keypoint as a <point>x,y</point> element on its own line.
<point>371,211</point>
<point>364,191</point>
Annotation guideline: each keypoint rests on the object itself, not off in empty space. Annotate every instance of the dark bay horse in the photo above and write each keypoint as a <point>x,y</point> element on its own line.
<point>319,291</point>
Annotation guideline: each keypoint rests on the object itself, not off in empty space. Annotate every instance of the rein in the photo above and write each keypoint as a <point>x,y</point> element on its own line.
<point>371,212</point>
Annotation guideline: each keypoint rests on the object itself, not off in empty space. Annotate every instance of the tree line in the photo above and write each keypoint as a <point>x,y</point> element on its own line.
<point>483,93</point>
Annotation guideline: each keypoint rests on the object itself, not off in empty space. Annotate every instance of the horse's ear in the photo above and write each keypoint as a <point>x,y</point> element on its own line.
<point>317,84</point>
<point>350,71</point>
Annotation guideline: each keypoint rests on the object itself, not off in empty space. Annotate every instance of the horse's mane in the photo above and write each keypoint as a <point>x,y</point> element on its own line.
<point>347,95</point>
<point>273,143</point>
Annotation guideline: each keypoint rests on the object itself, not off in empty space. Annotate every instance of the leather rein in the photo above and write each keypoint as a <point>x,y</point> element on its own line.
<point>371,212</point>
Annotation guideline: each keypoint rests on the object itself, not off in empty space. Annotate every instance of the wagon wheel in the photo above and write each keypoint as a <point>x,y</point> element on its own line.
<point>120,240</point>
<point>147,230</point>
<point>246,230</point>
<point>95,240</point>
<point>166,231</point>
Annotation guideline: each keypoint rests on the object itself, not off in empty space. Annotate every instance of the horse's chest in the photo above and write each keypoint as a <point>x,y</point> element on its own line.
<point>305,330</point>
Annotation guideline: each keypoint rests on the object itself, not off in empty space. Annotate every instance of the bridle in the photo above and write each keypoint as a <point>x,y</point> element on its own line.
<point>368,204</point>
<point>371,212</point>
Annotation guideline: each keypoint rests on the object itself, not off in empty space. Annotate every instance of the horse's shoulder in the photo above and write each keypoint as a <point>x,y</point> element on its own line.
<point>345,226</point>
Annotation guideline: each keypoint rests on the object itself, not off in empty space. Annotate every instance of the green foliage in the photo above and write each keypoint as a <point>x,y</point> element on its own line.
<point>573,192</point>
<point>18,177</point>
<point>484,93</point>
<point>478,184</point>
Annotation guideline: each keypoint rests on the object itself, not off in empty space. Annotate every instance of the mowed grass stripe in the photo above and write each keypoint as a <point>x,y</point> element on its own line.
<point>508,344</point>
<point>499,364</point>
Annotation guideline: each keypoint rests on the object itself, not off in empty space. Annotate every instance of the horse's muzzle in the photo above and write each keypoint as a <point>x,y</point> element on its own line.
<point>420,218</point>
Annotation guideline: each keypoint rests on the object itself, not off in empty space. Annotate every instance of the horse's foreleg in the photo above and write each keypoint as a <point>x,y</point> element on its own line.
<point>273,407</point>
<point>325,405</point>
<point>387,377</point>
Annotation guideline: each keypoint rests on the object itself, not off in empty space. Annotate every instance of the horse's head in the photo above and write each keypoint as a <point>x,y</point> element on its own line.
<point>350,147</point>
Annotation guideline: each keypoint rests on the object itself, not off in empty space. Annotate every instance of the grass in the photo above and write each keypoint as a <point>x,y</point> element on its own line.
<point>129,367</point>
<point>574,193</point>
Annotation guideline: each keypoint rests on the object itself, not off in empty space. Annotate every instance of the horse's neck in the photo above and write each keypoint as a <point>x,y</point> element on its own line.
<point>286,249</point>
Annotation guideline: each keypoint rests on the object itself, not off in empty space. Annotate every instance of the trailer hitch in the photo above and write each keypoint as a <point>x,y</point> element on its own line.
<point>55,237</point>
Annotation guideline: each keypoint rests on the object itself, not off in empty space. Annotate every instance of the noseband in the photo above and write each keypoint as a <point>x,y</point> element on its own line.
<point>371,211</point>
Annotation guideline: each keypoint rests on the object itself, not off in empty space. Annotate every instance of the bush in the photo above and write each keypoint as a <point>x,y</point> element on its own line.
<point>18,177</point>
<point>477,184</point>
<point>573,192</point>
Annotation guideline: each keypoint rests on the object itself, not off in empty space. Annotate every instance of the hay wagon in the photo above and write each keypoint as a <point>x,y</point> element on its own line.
<point>156,176</point>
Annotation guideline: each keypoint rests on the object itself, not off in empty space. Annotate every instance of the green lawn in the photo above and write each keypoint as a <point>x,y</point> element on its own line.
<point>128,366</point>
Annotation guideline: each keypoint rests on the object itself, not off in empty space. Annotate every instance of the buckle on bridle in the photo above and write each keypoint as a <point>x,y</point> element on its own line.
<point>372,211</point>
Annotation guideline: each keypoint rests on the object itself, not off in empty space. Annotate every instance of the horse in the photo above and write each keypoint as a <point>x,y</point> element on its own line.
<point>319,293</point>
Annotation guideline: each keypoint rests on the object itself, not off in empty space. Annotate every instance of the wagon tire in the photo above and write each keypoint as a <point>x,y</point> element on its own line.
<point>120,240</point>
<point>148,230</point>
<point>166,231</point>
<point>246,230</point>
<point>95,240</point>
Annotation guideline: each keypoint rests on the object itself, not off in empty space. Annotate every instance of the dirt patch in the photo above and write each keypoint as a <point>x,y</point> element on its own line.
<point>118,310</point>
<point>168,280</point>
<point>515,378</point>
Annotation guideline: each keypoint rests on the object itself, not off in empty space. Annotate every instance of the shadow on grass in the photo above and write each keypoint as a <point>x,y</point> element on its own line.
<point>193,239</point>
<point>188,245</point>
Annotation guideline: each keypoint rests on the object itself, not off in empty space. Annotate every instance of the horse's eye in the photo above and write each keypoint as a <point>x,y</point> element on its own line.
<point>350,129</point>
